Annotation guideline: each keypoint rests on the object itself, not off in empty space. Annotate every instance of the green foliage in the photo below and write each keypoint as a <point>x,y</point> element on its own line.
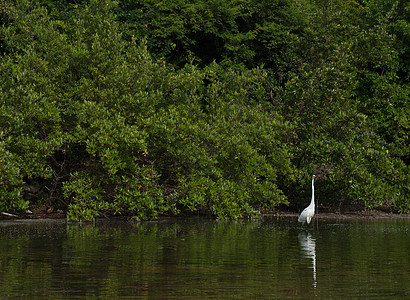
<point>239,32</point>
<point>341,102</point>
<point>86,197</point>
<point>10,178</point>
<point>196,140</point>
<point>87,113</point>
<point>140,194</point>
<point>108,129</point>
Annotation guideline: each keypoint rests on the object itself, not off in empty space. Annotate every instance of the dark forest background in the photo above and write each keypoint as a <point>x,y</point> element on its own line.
<point>224,107</point>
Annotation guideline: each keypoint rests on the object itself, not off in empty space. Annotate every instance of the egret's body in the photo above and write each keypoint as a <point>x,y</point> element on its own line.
<point>308,213</point>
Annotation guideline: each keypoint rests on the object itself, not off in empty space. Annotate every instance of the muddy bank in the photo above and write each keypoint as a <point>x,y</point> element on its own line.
<point>373,214</point>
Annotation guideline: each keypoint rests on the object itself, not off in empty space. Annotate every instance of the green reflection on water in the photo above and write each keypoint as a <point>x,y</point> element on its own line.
<point>201,258</point>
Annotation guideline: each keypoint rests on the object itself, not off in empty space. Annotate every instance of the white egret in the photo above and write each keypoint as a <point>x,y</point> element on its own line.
<point>308,213</point>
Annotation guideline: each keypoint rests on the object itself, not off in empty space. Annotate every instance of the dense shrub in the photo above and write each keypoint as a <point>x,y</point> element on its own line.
<point>91,123</point>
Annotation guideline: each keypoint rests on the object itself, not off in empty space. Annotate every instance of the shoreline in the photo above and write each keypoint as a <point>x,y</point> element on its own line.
<point>371,214</point>
<point>374,214</point>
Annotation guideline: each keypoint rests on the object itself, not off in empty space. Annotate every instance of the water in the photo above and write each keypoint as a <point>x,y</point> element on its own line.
<point>202,258</point>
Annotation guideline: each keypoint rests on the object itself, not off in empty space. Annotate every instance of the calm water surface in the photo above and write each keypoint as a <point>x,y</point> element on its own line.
<point>200,258</point>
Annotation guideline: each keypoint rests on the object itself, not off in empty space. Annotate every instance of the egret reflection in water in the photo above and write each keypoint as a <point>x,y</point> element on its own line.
<point>308,246</point>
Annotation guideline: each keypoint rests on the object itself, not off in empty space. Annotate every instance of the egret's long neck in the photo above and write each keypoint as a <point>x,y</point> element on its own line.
<point>313,191</point>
